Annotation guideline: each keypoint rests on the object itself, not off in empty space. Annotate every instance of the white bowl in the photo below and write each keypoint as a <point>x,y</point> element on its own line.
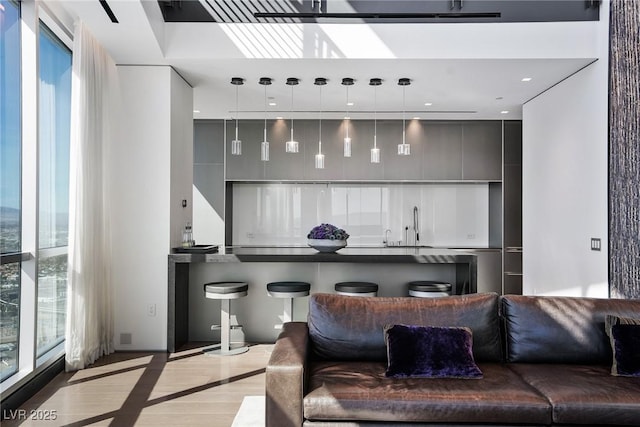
<point>327,245</point>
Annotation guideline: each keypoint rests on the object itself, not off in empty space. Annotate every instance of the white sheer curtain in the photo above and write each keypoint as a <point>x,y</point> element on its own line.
<point>89,329</point>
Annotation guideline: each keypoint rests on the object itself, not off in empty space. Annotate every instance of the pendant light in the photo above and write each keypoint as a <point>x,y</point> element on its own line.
<point>264,145</point>
<point>236,144</point>
<point>404,149</point>
<point>292,146</point>
<point>375,151</point>
<point>320,81</point>
<point>347,140</point>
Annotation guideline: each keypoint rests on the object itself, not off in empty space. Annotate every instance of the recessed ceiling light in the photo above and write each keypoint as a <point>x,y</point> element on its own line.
<point>416,118</point>
<point>273,104</point>
<point>428,104</point>
<point>350,104</point>
<point>526,79</point>
<point>279,118</point>
<point>347,118</point>
<point>196,111</point>
<point>504,112</point>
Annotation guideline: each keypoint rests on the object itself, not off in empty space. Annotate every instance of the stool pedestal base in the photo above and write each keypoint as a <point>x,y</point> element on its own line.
<point>216,350</point>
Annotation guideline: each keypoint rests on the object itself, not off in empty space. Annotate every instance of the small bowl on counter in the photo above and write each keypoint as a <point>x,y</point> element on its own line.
<point>327,245</point>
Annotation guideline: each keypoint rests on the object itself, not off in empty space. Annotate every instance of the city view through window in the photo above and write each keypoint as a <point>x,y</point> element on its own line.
<point>54,102</point>
<point>10,185</point>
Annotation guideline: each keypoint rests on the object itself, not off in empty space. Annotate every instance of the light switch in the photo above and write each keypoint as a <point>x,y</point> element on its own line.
<point>595,244</point>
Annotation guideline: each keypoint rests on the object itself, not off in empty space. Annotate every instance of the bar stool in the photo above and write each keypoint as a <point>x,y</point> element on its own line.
<point>429,289</point>
<point>288,291</point>
<point>357,289</point>
<point>225,292</point>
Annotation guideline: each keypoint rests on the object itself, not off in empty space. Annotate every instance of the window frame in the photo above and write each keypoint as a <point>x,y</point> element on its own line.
<point>32,14</point>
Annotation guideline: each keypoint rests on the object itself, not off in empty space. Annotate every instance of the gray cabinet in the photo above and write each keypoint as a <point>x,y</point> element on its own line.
<point>442,151</point>
<point>248,165</point>
<point>489,271</point>
<point>512,214</point>
<point>482,150</point>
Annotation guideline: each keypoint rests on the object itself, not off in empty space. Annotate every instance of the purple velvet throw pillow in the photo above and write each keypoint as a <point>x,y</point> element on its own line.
<point>624,334</point>
<point>429,352</point>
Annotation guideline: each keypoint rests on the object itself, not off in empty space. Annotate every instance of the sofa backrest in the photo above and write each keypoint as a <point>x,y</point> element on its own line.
<point>570,330</point>
<point>351,328</point>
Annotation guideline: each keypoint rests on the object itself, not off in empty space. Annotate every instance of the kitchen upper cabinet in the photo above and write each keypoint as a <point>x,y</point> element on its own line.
<point>396,167</point>
<point>248,165</point>
<point>442,151</point>
<point>283,165</point>
<point>482,150</point>
<point>358,167</point>
<point>331,148</point>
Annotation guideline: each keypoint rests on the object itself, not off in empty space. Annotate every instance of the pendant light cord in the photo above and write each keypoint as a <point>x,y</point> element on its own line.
<point>320,131</point>
<point>237,112</point>
<point>375,116</point>
<point>291,112</point>
<point>348,111</point>
<point>265,112</point>
<point>403,114</point>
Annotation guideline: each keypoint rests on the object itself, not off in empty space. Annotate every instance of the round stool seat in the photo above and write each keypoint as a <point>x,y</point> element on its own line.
<point>288,289</point>
<point>225,290</point>
<point>429,288</point>
<point>357,288</point>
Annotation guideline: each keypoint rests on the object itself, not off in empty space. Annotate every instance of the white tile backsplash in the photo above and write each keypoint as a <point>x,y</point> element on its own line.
<point>450,215</point>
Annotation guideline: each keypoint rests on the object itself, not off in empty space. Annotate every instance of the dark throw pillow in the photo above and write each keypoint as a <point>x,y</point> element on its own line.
<point>429,352</point>
<point>625,344</point>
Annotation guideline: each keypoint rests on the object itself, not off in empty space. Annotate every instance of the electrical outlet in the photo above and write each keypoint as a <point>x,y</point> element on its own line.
<point>596,244</point>
<point>151,310</point>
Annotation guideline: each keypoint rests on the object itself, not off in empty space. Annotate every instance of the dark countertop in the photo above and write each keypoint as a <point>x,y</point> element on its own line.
<point>406,255</point>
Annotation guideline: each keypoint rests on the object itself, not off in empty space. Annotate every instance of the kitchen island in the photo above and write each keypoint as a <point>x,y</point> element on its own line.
<point>190,315</point>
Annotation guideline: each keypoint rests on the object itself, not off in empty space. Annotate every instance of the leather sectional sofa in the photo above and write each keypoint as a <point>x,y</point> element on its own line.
<point>544,361</point>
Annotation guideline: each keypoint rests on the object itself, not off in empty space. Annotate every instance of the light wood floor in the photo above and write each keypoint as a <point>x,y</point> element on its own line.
<point>152,389</point>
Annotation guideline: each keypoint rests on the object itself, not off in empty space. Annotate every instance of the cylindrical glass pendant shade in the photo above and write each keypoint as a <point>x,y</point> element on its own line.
<point>264,151</point>
<point>236,147</point>
<point>319,161</point>
<point>404,149</point>
<point>375,155</point>
<point>292,145</point>
<point>347,147</point>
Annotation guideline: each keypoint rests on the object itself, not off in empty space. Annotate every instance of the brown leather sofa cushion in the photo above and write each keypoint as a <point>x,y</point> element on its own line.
<point>360,391</point>
<point>351,328</point>
<point>585,394</point>
<point>561,329</point>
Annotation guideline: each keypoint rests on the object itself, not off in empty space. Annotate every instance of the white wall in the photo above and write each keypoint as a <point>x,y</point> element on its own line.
<point>154,142</point>
<point>565,184</point>
<point>181,157</point>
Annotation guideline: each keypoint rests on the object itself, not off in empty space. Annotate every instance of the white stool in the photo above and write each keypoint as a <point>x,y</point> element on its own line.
<point>357,289</point>
<point>225,292</point>
<point>288,291</point>
<point>429,289</point>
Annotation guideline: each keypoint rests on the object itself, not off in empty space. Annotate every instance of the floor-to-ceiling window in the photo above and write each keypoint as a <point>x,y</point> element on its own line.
<point>10,187</point>
<point>54,110</point>
<point>35,93</point>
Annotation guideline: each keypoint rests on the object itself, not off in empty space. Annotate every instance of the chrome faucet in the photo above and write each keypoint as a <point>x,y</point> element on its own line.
<point>416,227</point>
<point>386,237</point>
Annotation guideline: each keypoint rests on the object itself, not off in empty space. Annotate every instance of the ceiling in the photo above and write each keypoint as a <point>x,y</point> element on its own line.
<point>464,71</point>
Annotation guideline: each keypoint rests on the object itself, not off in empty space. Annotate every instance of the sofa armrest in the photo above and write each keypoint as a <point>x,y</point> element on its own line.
<point>285,376</point>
